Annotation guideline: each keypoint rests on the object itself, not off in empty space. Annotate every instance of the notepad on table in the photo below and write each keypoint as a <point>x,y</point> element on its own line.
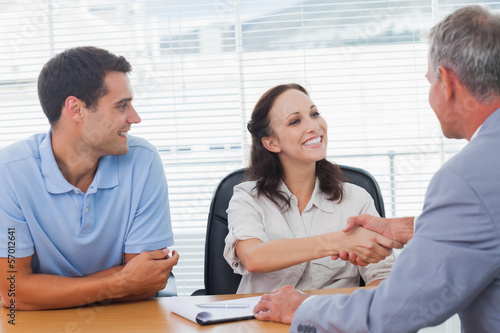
<point>205,313</point>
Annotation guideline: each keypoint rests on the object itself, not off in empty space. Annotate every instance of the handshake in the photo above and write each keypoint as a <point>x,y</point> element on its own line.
<point>399,230</point>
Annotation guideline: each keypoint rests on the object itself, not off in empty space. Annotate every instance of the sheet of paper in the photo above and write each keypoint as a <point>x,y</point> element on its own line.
<point>214,312</point>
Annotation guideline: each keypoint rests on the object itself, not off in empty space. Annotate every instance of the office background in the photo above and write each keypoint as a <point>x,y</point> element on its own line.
<point>199,66</point>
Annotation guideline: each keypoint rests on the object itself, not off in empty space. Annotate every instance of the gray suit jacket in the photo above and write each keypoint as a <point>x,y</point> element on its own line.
<point>452,264</point>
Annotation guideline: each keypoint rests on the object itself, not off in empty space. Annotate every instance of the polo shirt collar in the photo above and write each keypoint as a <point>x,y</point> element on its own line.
<point>107,172</point>
<point>106,176</point>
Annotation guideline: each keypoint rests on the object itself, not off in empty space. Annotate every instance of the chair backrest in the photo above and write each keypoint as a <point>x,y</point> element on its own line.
<point>219,276</point>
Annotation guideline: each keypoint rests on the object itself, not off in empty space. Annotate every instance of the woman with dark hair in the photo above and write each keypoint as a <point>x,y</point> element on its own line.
<point>285,222</point>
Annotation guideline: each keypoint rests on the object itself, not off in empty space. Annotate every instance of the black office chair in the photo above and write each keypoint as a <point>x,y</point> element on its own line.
<point>219,276</point>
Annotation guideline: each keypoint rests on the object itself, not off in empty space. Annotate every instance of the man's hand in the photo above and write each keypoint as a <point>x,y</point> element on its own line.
<point>280,305</point>
<point>374,223</point>
<point>368,245</point>
<point>398,229</point>
<point>141,277</point>
<point>148,272</point>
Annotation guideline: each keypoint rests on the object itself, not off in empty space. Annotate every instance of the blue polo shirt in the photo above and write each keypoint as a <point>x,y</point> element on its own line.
<point>71,233</point>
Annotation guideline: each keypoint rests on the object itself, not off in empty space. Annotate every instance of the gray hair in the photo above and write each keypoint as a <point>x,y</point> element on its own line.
<point>468,43</point>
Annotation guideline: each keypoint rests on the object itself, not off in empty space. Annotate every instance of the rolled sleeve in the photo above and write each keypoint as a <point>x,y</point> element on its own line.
<point>244,222</point>
<point>378,271</point>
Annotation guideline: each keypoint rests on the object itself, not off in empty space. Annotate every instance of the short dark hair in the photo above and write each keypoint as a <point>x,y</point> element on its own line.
<point>468,42</point>
<point>76,72</point>
<point>265,166</point>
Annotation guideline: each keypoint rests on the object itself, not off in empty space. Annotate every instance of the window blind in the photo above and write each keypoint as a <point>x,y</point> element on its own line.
<point>199,66</point>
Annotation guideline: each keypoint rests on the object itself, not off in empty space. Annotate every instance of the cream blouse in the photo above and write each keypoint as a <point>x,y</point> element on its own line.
<point>253,216</point>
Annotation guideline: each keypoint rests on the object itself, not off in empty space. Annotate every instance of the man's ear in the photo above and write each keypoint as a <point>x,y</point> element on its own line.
<point>73,108</point>
<point>270,144</point>
<point>447,82</point>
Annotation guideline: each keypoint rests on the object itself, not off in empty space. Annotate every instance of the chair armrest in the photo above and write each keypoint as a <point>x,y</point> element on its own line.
<point>199,292</point>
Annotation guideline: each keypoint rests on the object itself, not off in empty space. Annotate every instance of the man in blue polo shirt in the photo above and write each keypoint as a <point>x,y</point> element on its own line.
<point>84,211</point>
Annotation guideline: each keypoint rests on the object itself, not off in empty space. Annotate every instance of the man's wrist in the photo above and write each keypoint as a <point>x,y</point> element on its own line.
<point>404,229</point>
<point>117,285</point>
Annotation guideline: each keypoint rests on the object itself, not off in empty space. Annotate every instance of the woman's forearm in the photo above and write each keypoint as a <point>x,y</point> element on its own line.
<point>263,257</point>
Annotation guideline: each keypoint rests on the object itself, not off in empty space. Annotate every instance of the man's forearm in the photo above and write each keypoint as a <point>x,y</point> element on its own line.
<point>107,272</point>
<point>42,291</point>
<point>141,277</point>
<point>127,298</point>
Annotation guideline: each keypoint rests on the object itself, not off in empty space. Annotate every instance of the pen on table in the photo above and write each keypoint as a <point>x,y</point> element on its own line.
<point>223,305</point>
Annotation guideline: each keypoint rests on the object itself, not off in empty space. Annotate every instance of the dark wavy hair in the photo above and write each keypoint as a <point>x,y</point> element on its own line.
<point>265,166</point>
